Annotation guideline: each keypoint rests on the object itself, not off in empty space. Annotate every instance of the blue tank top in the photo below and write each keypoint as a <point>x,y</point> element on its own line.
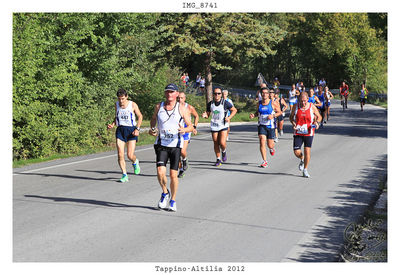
<point>322,100</point>
<point>311,99</point>
<point>264,111</point>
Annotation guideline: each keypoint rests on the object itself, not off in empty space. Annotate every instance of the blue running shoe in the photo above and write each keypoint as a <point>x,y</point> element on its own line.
<point>172,206</point>
<point>164,200</point>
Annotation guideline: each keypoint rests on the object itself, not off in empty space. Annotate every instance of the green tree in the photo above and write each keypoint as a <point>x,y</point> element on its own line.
<point>218,39</point>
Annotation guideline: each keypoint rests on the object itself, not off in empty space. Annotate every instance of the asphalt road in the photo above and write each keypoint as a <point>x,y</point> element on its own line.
<point>75,210</point>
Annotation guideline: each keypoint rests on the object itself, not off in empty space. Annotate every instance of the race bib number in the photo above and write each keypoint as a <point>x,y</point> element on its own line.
<point>167,135</point>
<point>264,119</point>
<point>302,129</point>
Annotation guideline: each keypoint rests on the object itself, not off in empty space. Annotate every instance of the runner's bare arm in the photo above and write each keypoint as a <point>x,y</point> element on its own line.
<point>277,109</point>
<point>317,114</point>
<point>285,106</point>
<point>253,115</point>
<point>139,116</point>
<point>153,121</point>
<point>186,117</point>
<point>196,118</point>
<point>233,113</point>
<point>112,124</point>
<point>292,117</point>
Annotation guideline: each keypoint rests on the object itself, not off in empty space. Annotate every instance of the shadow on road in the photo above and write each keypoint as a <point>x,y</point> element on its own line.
<point>208,165</point>
<point>93,202</point>
<point>115,179</point>
<point>348,208</point>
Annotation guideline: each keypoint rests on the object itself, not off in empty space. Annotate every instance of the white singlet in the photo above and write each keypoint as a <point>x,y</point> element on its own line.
<point>125,116</point>
<point>168,125</point>
<point>218,116</point>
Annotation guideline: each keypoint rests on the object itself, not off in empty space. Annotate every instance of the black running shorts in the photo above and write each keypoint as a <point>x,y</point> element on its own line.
<point>299,140</point>
<point>264,130</point>
<point>163,154</point>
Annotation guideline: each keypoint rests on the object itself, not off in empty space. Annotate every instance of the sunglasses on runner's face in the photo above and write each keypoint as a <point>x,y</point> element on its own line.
<point>217,93</point>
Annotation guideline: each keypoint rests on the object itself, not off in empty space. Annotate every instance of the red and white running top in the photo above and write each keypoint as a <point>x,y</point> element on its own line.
<point>304,120</point>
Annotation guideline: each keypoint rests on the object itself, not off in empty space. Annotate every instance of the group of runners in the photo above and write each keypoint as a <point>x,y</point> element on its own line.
<point>171,124</point>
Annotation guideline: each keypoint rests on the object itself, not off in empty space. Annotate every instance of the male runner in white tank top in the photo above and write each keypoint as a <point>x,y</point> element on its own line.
<point>169,117</point>
<point>127,131</point>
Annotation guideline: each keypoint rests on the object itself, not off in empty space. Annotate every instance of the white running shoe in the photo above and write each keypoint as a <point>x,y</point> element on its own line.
<point>164,200</point>
<point>276,139</point>
<point>301,165</point>
<point>305,173</point>
<point>172,206</point>
<point>281,132</point>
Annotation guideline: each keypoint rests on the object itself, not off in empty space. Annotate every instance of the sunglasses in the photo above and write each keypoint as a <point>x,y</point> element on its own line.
<point>217,93</point>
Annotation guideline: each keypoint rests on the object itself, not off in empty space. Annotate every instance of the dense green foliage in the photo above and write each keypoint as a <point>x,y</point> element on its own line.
<point>216,40</point>
<point>67,67</point>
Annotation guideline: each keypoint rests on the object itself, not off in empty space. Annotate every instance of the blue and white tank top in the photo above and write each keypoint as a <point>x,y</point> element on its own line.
<point>125,116</point>
<point>168,123</point>
<point>263,112</point>
<point>311,100</point>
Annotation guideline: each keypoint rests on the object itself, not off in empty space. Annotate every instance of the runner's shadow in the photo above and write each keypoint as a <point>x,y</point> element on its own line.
<point>93,202</point>
<point>68,176</point>
<point>210,163</point>
<point>210,167</point>
<point>117,172</point>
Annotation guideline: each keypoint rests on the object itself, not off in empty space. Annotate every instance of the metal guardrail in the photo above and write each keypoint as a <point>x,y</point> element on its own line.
<point>284,89</point>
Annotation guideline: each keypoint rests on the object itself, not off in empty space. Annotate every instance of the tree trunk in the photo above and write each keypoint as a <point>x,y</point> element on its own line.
<point>207,65</point>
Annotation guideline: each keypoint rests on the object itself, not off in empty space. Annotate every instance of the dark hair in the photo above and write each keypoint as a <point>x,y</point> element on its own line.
<point>264,88</point>
<point>121,92</point>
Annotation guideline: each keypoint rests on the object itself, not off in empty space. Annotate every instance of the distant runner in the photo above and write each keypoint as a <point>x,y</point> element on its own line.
<point>258,94</point>
<point>127,131</point>
<point>267,111</point>
<point>168,116</point>
<point>218,108</point>
<point>283,107</point>
<point>344,92</point>
<point>321,107</point>
<point>328,96</point>
<point>313,98</point>
<point>293,93</point>
<point>274,99</point>
<point>363,96</point>
<point>304,117</point>
<point>183,164</point>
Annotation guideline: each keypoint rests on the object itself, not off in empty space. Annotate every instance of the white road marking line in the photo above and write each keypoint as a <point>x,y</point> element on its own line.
<point>70,163</point>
